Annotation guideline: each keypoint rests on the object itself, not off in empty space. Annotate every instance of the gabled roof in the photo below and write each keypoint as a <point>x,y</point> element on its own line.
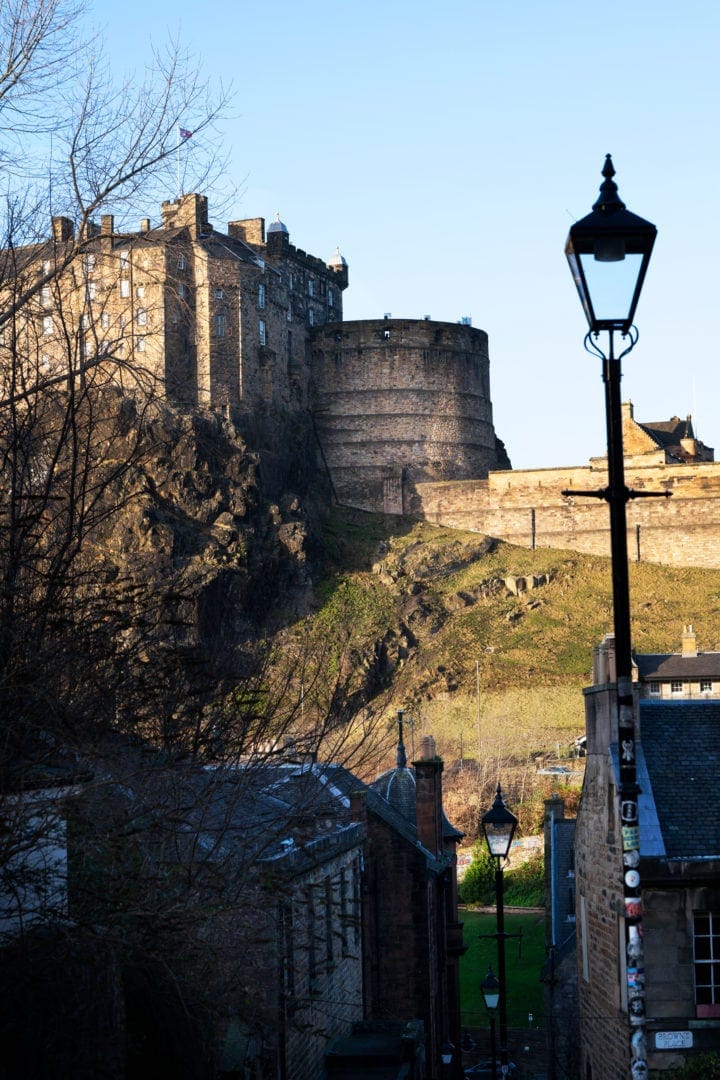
<point>668,433</point>
<point>706,665</point>
<point>681,748</point>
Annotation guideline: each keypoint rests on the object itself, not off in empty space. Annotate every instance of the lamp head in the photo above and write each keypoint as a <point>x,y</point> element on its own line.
<point>609,252</point>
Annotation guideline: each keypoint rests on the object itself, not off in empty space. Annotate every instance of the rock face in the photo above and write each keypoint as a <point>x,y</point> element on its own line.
<point>212,563</point>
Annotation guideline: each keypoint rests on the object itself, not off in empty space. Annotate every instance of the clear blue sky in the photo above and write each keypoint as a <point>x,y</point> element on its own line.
<point>447,147</point>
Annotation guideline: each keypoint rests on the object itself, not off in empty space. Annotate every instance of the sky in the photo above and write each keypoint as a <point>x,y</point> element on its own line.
<point>446,148</point>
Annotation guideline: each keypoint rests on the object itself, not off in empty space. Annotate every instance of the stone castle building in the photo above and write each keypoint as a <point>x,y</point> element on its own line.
<point>243,321</point>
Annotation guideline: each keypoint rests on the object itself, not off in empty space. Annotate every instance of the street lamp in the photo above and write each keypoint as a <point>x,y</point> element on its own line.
<point>446,1055</point>
<point>499,826</point>
<point>609,252</point>
<point>491,992</point>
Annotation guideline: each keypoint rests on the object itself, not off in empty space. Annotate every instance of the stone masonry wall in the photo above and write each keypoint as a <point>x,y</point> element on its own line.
<point>401,401</point>
<point>604,1025</point>
<point>526,507</point>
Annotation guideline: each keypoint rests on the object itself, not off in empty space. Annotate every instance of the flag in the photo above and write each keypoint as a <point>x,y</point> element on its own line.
<point>185,133</point>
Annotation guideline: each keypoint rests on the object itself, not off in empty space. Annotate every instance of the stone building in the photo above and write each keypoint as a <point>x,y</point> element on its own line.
<point>679,676</point>
<point>206,317</point>
<point>679,821</point>
<point>398,402</point>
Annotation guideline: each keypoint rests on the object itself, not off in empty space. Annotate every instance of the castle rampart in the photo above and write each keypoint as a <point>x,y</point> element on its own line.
<point>526,507</point>
<point>401,401</point>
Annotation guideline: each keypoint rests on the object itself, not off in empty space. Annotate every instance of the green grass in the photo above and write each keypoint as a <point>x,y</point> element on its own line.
<point>524,991</point>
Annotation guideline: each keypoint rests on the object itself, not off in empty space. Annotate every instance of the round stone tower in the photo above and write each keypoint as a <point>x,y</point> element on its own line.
<point>399,401</point>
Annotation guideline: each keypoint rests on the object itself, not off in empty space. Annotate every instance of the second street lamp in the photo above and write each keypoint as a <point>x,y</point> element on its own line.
<point>491,993</point>
<point>499,825</point>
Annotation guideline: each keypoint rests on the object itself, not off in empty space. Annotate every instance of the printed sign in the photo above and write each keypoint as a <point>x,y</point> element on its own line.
<point>673,1040</point>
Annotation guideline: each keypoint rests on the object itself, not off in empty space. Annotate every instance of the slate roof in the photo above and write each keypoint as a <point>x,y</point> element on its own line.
<point>681,748</point>
<point>706,665</point>
<point>668,433</point>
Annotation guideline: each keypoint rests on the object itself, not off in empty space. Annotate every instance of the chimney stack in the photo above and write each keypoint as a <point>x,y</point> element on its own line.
<point>689,641</point>
<point>428,798</point>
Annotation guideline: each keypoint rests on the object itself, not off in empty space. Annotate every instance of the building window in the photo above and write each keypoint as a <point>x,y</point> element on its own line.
<point>141,316</point>
<point>343,913</point>
<point>290,282</point>
<point>92,290</point>
<point>311,287</point>
<point>181,262</point>
<point>124,287</point>
<point>220,325</point>
<point>331,298</point>
<point>676,686</point>
<point>140,344</point>
<point>654,686</point>
<point>311,317</point>
<point>124,260</point>
<point>181,290</point>
<point>288,314</point>
<point>84,321</point>
<point>47,266</point>
<point>262,332</point>
<point>89,264</point>
<point>140,292</point>
<point>45,362</point>
<point>706,946</point>
<point>218,294</point>
<point>705,686</point>
<point>261,295</point>
<point>46,296</point>
<point>47,324</point>
<point>104,320</point>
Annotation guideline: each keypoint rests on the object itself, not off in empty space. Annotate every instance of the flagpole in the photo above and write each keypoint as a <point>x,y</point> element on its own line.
<point>179,140</point>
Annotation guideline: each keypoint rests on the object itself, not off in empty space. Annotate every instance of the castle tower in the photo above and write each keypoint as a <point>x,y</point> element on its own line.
<point>398,401</point>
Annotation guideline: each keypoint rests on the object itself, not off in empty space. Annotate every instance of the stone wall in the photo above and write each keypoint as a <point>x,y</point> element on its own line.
<point>527,507</point>
<point>400,401</point>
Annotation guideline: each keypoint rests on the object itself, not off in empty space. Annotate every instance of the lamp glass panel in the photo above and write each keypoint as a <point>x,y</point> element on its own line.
<point>498,837</point>
<point>611,284</point>
<point>492,997</point>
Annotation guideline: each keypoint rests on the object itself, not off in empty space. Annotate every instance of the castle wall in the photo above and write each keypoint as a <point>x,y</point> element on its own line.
<point>401,401</point>
<point>526,507</point>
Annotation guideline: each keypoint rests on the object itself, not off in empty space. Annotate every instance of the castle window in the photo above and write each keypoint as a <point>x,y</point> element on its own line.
<point>676,686</point>
<point>220,325</point>
<point>311,287</point>
<point>47,324</point>
<point>288,314</point>
<point>141,316</point>
<point>290,282</point>
<point>311,317</point>
<point>331,298</point>
<point>261,295</point>
<point>653,687</point>
<point>262,332</point>
<point>124,287</point>
<point>706,949</point>
<point>706,686</point>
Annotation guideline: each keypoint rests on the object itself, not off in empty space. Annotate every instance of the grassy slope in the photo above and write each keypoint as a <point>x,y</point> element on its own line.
<point>531,655</point>
<point>523,963</point>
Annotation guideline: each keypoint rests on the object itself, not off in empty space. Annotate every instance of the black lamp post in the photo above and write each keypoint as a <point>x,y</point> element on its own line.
<point>491,993</point>
<point>499,827</point>
<point>609,252</point>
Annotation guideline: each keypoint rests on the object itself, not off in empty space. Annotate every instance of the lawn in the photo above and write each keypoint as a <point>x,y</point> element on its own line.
<point>523,960</point>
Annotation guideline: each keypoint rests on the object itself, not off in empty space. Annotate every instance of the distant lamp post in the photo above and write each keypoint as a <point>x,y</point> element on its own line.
<point>490,988</point>
<point>446,1056</point>
<point>499,825</point>
<point>609,252</point>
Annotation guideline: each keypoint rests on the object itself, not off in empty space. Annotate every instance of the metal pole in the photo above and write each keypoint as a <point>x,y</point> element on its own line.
<point>502,1003</point>
<point>618,496</point>
<point>492,1046</point>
